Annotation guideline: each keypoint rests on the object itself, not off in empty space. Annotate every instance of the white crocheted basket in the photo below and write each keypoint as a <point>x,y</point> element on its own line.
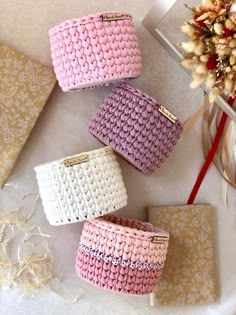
<point>81,187</point>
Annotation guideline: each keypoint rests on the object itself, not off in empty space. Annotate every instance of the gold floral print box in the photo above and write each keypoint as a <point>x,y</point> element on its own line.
<point>25,86</point>
<point>189,276</point>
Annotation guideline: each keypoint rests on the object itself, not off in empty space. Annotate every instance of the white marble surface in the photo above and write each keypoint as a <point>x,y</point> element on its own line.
<point>62,130</point>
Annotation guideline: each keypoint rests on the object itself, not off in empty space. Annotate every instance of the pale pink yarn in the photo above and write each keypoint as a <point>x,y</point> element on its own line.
<point>91,51</point>
<point>119,254</point>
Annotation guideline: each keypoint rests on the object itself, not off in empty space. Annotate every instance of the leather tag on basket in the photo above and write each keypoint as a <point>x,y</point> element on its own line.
<point>76,160</point>
<point>167,114</point>
<point>25,86</point>
<point>107,17</point>
<point>189,276</point>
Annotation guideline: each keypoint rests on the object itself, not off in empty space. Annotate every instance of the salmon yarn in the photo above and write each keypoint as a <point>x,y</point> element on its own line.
<point>95,50</point>
<point>120,254</point>
<point>131,122</point>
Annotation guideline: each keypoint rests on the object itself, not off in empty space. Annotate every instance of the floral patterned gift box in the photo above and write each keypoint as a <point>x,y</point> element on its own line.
<point>25,86</point>
<point>189,276</point>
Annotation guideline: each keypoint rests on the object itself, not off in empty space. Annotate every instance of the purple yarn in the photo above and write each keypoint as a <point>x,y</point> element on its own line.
<point>130,121</point>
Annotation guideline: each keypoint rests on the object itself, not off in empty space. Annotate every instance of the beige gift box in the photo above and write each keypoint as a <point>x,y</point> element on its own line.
<point>189,276</point>
<point>25,86</point>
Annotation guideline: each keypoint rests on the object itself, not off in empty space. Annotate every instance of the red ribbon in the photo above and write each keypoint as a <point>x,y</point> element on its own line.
<point>210,155</point>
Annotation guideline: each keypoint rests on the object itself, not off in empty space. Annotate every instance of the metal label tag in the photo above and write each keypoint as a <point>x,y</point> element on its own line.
<point>76,160</point>
<point>159,239</point>
<point>112,17</point>
<point>167,114</point>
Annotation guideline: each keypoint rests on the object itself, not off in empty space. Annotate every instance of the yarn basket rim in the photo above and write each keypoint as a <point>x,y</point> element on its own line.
<point>107,150</point>
<point>105,224</point>
<point>91,18</point>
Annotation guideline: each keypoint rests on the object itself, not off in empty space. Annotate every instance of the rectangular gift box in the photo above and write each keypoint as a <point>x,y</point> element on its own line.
<point>164,22</point>
<point>25,86</point>
<point>189,276</point>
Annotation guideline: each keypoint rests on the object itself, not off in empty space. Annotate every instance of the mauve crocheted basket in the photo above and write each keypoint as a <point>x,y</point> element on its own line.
<point>121,254</point>
<point>137,127</point>
<point>95,50</point>
<point>82,186</point>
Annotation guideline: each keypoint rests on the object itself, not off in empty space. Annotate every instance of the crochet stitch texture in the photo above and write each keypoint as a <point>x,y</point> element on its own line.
<point>118,254</point>
<point>91,51</point>
<point>85,190</point>
<point>130,121</point>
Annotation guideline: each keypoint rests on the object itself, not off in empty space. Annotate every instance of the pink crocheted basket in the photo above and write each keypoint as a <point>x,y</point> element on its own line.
<point>121,254</point>
<point>95,50</point>
<point>137,127</point>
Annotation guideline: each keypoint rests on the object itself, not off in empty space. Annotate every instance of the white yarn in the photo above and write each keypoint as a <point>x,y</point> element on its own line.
<point>82,191</point>
<point>117,261</point>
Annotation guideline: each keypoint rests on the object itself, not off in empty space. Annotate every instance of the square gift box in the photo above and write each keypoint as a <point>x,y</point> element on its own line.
<point>164,22</point>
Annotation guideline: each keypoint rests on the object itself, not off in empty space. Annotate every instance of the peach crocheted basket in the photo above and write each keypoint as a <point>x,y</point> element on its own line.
<point>121,254</point>
<point>95,50</point>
